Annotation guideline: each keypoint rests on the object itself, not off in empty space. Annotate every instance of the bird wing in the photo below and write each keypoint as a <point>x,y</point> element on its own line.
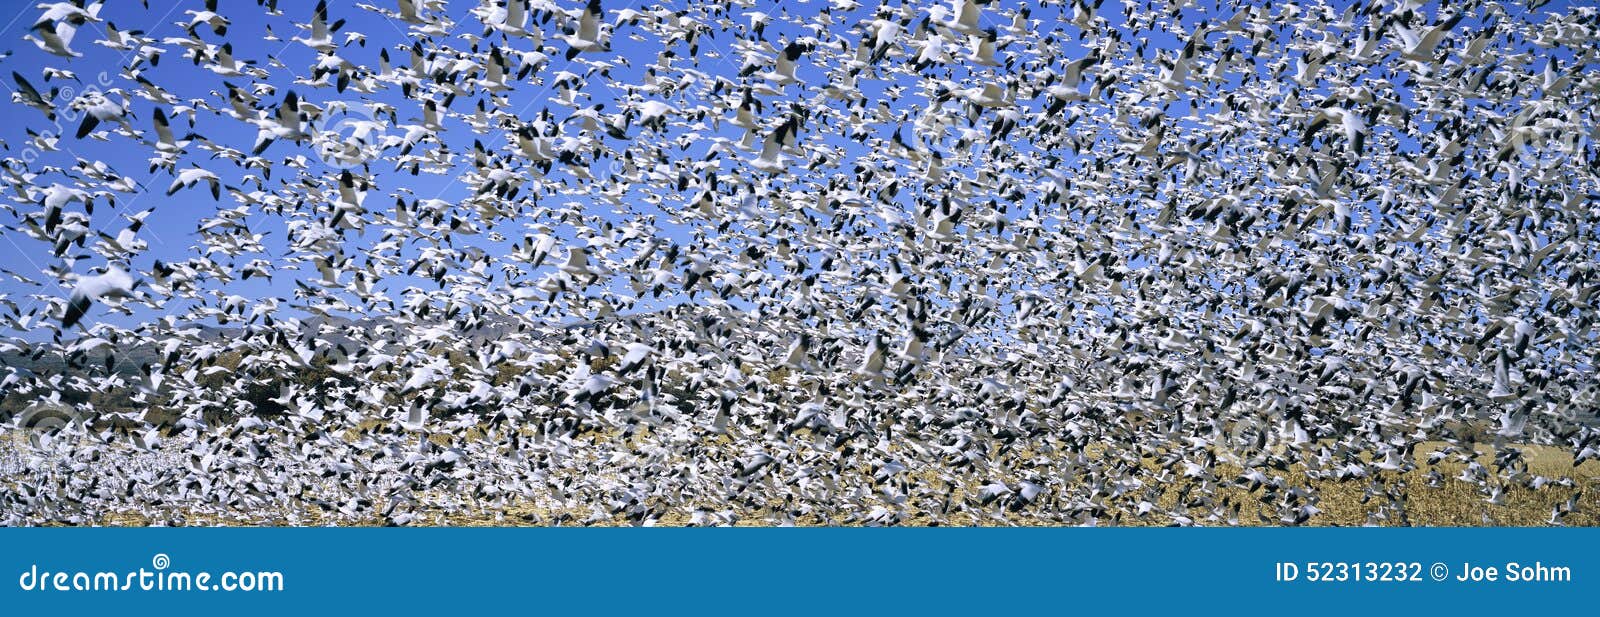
<point>163,130</point>
<point>589,24</point>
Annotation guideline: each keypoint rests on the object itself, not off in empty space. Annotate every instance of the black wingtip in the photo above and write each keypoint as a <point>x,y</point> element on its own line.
<point>87,126</point>
<point>75,311</point>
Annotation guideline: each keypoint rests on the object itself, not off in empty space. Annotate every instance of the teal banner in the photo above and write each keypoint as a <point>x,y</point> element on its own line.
<point>274,571</point>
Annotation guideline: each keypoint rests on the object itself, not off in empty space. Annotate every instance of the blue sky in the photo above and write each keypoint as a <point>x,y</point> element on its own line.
<point>171,229</point>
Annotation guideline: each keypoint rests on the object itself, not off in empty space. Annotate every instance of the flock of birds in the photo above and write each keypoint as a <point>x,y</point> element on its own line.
<point>814,262</point>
